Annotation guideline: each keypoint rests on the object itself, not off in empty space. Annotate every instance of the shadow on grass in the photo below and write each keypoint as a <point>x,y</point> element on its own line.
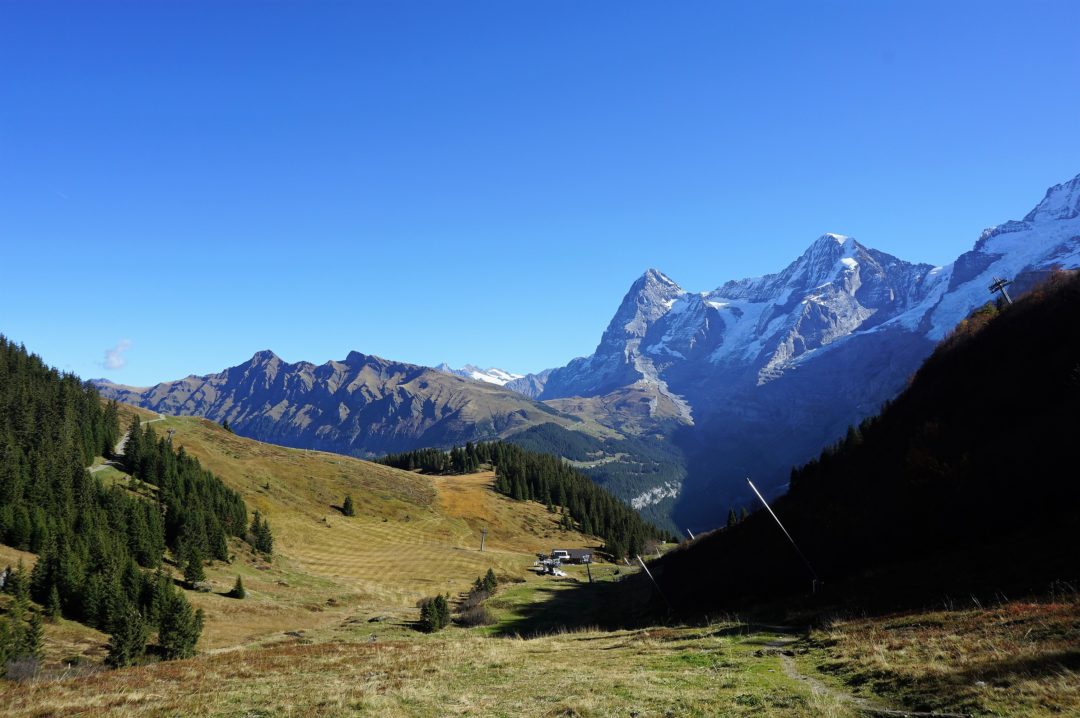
<point>1005,671</point>
<point>605,605</point>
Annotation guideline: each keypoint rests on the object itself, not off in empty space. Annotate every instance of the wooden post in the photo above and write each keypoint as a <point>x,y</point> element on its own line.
<point>588,567</point>
<point>483,536</point>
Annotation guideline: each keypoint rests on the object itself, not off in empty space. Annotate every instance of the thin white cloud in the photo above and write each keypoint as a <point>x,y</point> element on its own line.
<point>114,358</point>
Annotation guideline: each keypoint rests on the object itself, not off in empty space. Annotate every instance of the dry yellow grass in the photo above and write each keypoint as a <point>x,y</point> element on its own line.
<point>713,671</point>
<point>1017,659</point>
<point>413,536</point>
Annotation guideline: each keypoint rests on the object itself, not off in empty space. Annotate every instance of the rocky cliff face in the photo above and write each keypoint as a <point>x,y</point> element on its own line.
<point>767,371</point>
<point>362,406</point>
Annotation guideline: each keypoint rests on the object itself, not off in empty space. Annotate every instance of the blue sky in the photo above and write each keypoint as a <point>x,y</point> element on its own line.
<point>481,182</point>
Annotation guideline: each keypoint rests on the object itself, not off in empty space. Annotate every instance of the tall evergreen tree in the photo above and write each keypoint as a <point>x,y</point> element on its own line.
<point>52,605</point>
<point>193,566</point>
<point>128,642</point>
<point>179,626</point>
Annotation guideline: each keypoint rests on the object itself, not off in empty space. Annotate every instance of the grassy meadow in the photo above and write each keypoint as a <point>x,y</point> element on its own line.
<point>328,626</point>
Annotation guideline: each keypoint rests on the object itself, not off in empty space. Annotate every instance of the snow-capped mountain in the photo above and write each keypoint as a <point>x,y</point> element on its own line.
<point>768,370</point>
<point>499,377</point>
<point>764,324</point>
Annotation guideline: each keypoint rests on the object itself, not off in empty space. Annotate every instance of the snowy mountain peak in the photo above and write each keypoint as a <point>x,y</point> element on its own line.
<point>1062,201</point>
<point>649,298</point>
<point>832,245</point>
<point>493,375</point>
<point>654,277</point>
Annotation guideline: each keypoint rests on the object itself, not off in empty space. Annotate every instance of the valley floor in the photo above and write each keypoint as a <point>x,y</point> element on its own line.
<point>327,628</point>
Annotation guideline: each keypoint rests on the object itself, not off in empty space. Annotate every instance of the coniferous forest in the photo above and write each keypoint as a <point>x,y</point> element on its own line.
<point>528,475</point>
<point>100,549</point>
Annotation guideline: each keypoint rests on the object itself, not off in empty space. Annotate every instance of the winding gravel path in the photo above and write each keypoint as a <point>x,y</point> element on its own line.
<point>119,449</point>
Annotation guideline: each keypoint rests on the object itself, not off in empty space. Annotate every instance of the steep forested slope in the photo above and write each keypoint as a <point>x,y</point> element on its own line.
<point>95,543</point>
<point>965,483</point>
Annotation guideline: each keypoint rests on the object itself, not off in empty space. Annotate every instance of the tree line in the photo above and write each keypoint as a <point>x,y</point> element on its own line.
<point>528,475</point>
<point>458,460</point>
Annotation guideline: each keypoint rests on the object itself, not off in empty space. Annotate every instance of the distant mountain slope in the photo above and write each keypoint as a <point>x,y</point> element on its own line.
<point>965,483</point>
<point>757,375</point>
<point>363,406</point>
<point>494,375</point>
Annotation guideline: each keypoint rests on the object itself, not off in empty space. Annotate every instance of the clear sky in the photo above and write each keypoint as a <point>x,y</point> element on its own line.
<point>185,183</point>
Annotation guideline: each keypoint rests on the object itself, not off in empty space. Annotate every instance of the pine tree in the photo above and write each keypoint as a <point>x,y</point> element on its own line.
<point>52,606</point>
<point>743,514</point>
<point>261,538</point>
<point>732,519</point>
<point>434,614</point>
<point>490,582</point>
<point>34,638</point>
<point>442,610</point>
<point>193,567</point>
<point>347,507</point>
<point>256,526</point>
<point>128,642</point>
<point>18,583</point>
<point>264,539</point>
<point>428,620</point>
<point>178,627</point>
<point>238,589</point>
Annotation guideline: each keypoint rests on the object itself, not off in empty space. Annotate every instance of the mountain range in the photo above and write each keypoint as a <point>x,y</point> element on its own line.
<point>686,394</point>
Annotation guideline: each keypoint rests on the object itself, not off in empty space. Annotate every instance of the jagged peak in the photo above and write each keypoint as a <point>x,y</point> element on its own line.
<point>354,357</point>
<point>840,239</point>
<point>1062,201</point>
<point>653,275</point>
<point>264,356</point>
<point>831,242</point>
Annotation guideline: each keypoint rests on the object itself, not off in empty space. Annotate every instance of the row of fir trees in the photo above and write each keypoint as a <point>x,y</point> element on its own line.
<point>458,460</point>
<point>528,475</point>
<point>101,548</point>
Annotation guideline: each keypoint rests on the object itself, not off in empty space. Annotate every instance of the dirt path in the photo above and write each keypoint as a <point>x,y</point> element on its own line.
<point>780,647</point>
<point>119,448</point>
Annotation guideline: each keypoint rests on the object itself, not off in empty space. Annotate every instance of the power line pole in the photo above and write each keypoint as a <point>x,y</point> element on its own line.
<point>813,585</point>
<point>483,537</point>
<point>658,589</point>
<point>999,286</point>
